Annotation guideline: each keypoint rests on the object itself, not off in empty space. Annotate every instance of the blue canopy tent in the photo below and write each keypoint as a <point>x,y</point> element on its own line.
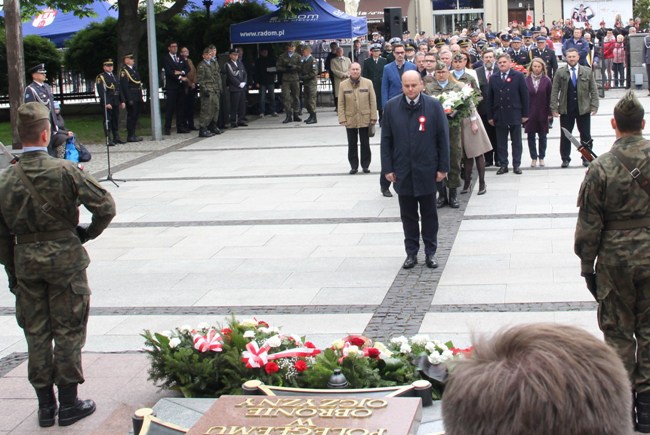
<point>323,21</point>
<point>59,27</point>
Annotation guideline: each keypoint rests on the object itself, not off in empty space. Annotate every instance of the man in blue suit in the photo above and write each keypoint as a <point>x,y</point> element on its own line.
<point>507,110</point>
<point>391,86</point>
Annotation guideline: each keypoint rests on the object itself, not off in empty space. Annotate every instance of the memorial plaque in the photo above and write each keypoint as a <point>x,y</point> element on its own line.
<point>311,415</point>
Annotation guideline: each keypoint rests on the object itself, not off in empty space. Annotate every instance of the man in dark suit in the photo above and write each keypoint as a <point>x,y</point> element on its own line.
<point>175,79</point>
<point>236,79</point>
<point>414,156</point>
<point>373,70</point>
<point>507,110</point>
<point>484,73</point>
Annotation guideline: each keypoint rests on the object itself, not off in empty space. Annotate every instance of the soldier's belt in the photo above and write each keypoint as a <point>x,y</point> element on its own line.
<point>44,236</point>
<point>631,224</point>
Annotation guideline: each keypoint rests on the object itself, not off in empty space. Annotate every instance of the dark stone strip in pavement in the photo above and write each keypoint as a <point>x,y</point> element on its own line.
<point>479,217</point>
<point>409,297</point>
<point>283,147</point>
<point>242,177</point>
<point>306,221</point>
<point>11,361</point>
<point>515,307</point>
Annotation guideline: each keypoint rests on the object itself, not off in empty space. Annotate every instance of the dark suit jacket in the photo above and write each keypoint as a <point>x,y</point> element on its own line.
<point>507,100</point>
<point>374,71</point>
<point>483,85</point>
<point>413,155</point>
<point>171,80</point>
<point>391,82</point>
<point>235,74</point>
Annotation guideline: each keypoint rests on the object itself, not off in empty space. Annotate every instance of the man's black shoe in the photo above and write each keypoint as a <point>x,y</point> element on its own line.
<point>387,193</point>
<point>134,139</point>
<point>366,170</point>
<point>411,260</point>
<point>517,170</point>
<point>353,171</point>
<point>242,124</point>
<point>233,125</point>
<point>167,132</point>
<point>119,140</point>
<point>431,261</point>
<point>111,143</point>
<point>502,170</point>
<point>182,130</point>
<point>287,119</point>
<point>565,163</point>
<point>204,132</point>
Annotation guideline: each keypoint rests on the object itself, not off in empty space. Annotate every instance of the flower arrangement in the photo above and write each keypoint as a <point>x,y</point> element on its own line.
<point>522,69</point>
<point>210,360</point>
<point>458,105</point>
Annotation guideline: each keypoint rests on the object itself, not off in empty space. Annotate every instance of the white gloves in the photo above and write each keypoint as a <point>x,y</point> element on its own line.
<point>242,85</point>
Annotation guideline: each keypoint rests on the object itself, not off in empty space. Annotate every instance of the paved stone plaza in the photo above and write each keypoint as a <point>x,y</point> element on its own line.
<point>266,221</point>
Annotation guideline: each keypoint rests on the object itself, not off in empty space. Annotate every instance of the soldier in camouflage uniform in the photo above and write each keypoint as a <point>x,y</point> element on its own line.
<point>308,73</point>
<point>613,231</point>
<point>289,64</point>
<point>208,77</point>
<point>46,263</point>
<point>444,82</point>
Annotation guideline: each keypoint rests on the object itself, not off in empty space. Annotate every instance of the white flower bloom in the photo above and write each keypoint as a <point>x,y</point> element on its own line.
<point>420,339</point>
<point>352,350</point>
<point>248,323</point>
<point>167,334</point>
<point>399,340</point>
<point>430,347</point>
<point>265,330</point>
<point>249,334</point>
<point>185,328</point>
<point>405,348</point>
<point>275,329</point>
<point>274,341</point>
<point>338,344</point>
<point>447,354</point>
<point>203,325</point>
<point>434,358</point>
<point>174,342</point>
<point>296,339</point>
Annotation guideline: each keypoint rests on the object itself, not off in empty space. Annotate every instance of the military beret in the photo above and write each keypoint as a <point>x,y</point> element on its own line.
<point>540,39</point>
<point>129,56</point>
<point>440,66</point>
<point>29,113</point>
<point>375,47</point>
<point>506,37</point>
<point>516,39</point>
<point>40,68</point>
<point>108,62</point>
<point>457,57</point>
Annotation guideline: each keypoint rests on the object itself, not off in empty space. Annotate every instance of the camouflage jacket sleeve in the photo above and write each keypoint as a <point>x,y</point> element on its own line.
<point>308,69</point>
<point>591,219</point>
<point>7,242</point>
<point>93,196</point>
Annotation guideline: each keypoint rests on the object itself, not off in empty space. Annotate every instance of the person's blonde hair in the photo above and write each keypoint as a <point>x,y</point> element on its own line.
<point>537,60</point>
<point>539,379</point>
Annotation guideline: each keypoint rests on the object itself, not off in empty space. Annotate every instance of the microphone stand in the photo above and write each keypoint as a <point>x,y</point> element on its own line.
<point>109,173</point>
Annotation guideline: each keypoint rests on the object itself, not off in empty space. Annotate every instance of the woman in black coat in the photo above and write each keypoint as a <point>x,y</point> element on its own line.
<point>539,112</point>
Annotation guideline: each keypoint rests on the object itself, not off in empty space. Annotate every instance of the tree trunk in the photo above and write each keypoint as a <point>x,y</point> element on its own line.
<point>15,64</point>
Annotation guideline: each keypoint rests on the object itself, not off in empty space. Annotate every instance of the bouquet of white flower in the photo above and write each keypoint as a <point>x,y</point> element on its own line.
<point>458,105</point>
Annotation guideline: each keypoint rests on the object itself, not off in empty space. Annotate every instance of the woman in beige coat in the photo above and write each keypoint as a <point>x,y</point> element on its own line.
<point>357,109</point>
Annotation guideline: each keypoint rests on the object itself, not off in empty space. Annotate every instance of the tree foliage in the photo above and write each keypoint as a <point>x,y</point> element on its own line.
<point>642,10</point>
<point>37,50</point>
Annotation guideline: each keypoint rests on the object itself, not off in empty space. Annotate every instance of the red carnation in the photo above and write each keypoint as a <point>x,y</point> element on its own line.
<point>226,331</point>
<point>373,352</point>
<point>271,368</point>
<point>357,341</point>
<point>300,365</point>
<point>310,345</point>
<point>262,323</point>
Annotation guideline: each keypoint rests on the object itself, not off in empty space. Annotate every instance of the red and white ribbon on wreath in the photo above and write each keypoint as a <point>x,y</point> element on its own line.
<point>254,356</point>
<point>211,341</point>
<point>422,120</point>
<point>298,352</point>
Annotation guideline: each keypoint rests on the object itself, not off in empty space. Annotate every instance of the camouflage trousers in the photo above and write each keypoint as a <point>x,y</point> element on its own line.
<point>455,157</point>
<point>53,313</point>
<point>209,109</point>
<point>624,317</point>
<point>309,95</point>
<point>291,96</point>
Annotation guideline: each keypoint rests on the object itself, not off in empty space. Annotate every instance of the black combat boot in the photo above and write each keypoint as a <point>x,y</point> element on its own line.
<point>442,195</point>
<point>117,138</point>
<point>296,117</point>
<point>212,127</point>
<point>73,409</point>
<point>287,119</point>
<point>311,119</point>
<point>204,132</point>
<point>453,201</point>
<point>46,406</point>
<point>642,403</point>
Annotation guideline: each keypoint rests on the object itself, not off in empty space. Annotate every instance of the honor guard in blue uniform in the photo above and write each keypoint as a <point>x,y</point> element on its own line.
<point>108,89</point>
<point>518,54</point>
<point>40,92</point>
<point>547,55</point>
<point>131,90</point>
